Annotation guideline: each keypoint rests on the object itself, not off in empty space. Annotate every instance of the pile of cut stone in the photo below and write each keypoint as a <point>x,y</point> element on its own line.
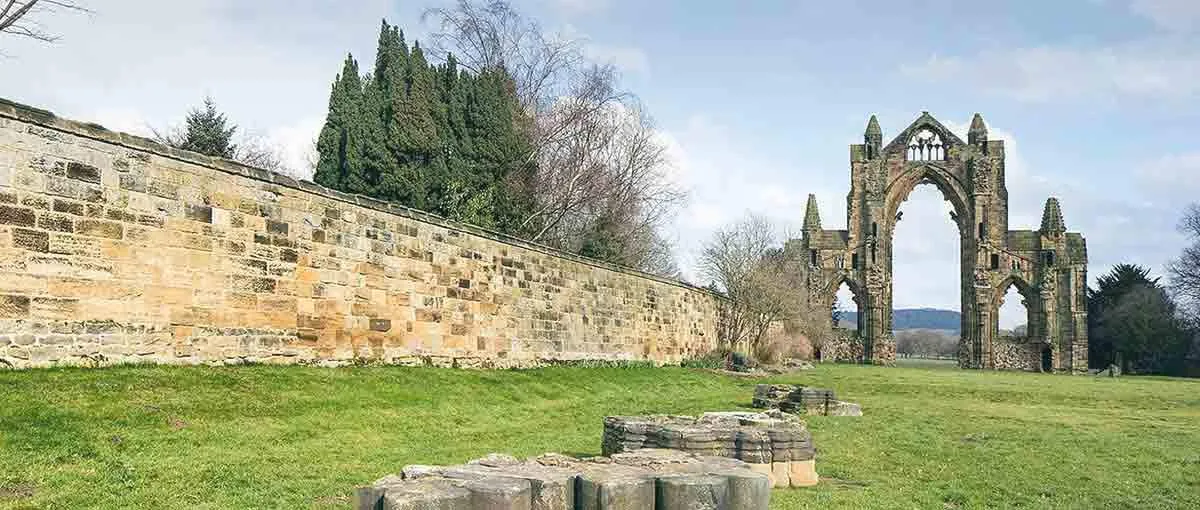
<point>774,443</point>
<point>802,400</point>
<point>642,480</point>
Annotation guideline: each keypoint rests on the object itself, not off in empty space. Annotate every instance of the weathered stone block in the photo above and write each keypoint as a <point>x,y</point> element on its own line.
<point>14,307</point>
<point>201,213</point>
<point>430,494</point>
<point>21,216</point>
<point>496,493</point>
<point>56,222</point>
<point>382,325</point>
<point>277,227</point>
<point>803,473</point>
<point>614,488</point>
<point>34,240</point>
<point>100,228</point>
<point>692,492</point>
<point>86,173</point>
<point>747,489</point>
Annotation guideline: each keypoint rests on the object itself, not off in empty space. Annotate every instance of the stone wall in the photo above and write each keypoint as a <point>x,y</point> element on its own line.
<point>116,249</point>
<point>1018,353</point>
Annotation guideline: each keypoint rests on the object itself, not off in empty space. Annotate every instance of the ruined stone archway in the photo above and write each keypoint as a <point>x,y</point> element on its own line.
<point>1050,263</point>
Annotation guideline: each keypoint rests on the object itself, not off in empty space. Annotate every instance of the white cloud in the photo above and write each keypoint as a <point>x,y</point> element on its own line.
<point>1160,68</point>
<point>296,144</point>
<point>1176,15</point>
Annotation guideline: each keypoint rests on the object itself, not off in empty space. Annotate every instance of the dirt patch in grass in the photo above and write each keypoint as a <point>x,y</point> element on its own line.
<point>17,490</point>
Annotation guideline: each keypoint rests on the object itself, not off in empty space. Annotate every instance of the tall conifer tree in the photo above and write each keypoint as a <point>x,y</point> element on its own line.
<point>339,163</point>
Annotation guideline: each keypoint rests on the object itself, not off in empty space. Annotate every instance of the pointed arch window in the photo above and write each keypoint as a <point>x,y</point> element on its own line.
<point>926,145</point>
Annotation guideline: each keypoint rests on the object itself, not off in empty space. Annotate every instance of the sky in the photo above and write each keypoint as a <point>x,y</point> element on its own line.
<point>1096,99</point>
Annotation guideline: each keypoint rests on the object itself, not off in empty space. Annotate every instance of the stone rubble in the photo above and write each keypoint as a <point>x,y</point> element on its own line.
<point>773,443</point>
<point>802,400</point>
<point>639,480</point>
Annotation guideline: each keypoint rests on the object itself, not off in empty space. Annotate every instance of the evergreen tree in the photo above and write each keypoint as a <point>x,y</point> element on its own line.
<point>1134,323</point>
<point>208,132</point>
<point>382,96</point>
<point>339,163</point>
<point>433,137</point>
<point>413,136</point>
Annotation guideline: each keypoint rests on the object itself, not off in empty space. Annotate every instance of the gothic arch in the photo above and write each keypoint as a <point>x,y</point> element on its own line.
<point>970,175</point>
<point>947,183</point>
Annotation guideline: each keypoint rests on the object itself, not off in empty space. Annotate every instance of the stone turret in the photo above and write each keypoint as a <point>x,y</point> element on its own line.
<point>1052,219</point>
<point>812,216</point>
<point>873,138</point>
<point>978,133</point>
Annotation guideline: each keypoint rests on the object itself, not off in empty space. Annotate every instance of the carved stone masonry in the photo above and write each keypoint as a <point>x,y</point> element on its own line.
<point>970,176</point>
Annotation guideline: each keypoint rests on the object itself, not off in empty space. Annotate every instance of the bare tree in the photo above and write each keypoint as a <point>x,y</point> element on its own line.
<point>763,284</point>
<point>492,34</point>
<point>1185,271</point>
<point>20,17</point>
<point>255,151</point>
<point>602,169</point>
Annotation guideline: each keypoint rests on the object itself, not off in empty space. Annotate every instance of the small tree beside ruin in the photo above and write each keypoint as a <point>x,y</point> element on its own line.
<point>764,287</point>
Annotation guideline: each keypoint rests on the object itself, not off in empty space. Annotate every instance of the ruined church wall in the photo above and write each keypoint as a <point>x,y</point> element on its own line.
<point>116,249</point>
<point>1016,353</point>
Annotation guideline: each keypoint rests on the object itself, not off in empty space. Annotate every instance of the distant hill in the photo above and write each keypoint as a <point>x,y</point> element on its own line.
<point>915,318</point>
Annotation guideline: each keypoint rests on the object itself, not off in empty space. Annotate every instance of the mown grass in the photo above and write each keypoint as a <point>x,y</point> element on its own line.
<point>296,437</point>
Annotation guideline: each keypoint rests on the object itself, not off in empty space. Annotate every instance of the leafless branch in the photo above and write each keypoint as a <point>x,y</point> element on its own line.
<point>600,163</point>
<point>1185,271</point>
<point>17,17</point>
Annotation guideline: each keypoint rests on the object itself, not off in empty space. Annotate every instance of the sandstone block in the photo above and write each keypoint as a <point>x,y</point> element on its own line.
<point>553,488</point>
<point>781,471</point>
<point>614,488</point>
<point>748,490</point>
<point>498,493</point>
<point>692,492</point>
<point>803,473</point>
<point>432,494</point>
<point>17,216</point>
<point>765,470</point>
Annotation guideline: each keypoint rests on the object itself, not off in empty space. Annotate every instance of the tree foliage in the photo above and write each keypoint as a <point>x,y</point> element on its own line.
<point>1135,323</point>
<point>518,136</point>
<point>429,136</point>
<point>207,131</point>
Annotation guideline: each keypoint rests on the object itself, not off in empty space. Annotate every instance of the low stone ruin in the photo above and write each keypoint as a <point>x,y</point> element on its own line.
<point>641,480</point>
<point>802,400</point>
<point>776,444</point>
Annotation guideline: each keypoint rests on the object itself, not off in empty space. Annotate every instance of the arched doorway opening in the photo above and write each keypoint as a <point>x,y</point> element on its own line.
<point>926,267</point>
<point>1012,319</point>
<point>1015,341</point>
<point>845,309</point>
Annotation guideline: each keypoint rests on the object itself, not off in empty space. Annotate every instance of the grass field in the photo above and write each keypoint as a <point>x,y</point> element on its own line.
<point>932,437</point>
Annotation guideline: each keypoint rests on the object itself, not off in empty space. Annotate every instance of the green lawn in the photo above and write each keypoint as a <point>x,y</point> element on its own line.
<point>932,437</point>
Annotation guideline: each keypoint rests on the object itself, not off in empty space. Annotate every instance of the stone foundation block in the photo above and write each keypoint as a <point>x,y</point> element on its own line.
<point>782,473</point>
<point>609,488</point>
<point>692,492</point>
<point>496,493</point>
<point>427,495</point>
<point>747,490</point>
<point>803,473</point>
